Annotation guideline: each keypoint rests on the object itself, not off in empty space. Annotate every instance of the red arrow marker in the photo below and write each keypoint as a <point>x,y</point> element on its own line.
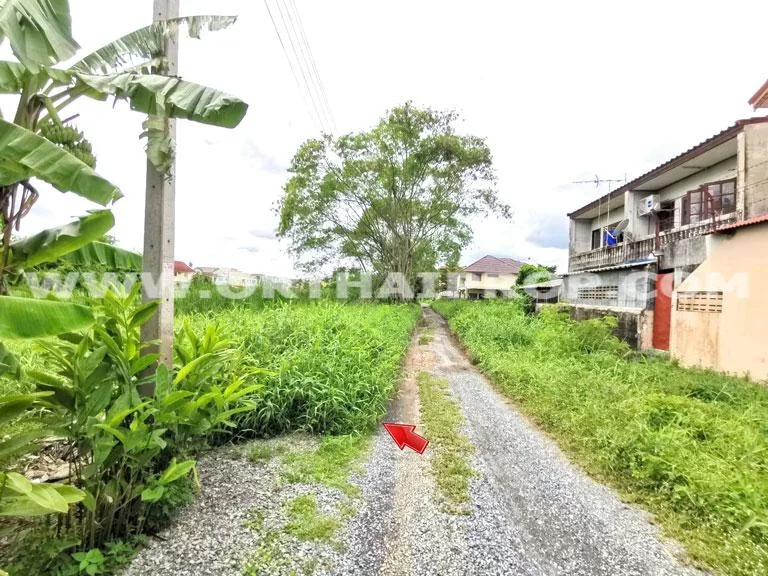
<point>404,435</point>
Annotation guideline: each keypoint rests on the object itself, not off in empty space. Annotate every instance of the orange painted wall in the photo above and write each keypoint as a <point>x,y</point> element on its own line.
<point>736,340</point>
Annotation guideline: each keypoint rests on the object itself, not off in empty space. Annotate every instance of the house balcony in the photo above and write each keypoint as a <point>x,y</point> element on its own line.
<point>641,248</point>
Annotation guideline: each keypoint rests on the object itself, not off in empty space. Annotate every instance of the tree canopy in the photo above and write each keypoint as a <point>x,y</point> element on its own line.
<point>396,198</point>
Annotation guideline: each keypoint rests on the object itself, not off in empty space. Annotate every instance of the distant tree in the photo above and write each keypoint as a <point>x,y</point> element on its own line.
<point>533,273</point>
<point>442,284</point>
<point>393,199</point>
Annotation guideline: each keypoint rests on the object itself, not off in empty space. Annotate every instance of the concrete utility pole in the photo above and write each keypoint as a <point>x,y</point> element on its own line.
<point>159,214</point>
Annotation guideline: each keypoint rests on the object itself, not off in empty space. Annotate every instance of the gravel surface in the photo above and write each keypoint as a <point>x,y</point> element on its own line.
<point>240,502</point>
<point>210,535</point>
<point>400,529</point>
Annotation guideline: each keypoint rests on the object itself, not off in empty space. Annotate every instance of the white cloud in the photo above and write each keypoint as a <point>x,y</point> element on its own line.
<point>562,91</point>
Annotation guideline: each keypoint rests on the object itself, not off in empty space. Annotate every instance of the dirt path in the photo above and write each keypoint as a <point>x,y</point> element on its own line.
<point>533,513</point>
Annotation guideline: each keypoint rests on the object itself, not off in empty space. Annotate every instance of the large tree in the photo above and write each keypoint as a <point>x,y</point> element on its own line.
<point>394,199</point>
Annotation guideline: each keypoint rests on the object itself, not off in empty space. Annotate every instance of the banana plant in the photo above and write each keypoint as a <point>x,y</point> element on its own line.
<point>39,144</point>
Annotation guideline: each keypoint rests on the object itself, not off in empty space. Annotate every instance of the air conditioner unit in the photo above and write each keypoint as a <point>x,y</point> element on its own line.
<point>649,205</point>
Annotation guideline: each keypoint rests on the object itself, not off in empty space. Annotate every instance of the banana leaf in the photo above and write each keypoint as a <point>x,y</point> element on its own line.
<point>24,154</point>
<point>22,318</point>
<point>145,44</point>
<point>169,96</point>
<point>12,76</point>
<point>54,243</point>
<point>39,31</point>
<point>105,256</point>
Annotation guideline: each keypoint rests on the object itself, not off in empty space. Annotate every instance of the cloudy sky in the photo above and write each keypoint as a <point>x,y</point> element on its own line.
<point>563,91</point>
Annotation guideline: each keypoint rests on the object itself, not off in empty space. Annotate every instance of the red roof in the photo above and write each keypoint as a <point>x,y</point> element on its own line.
<point>495,265</point>
<point>760,98</point>
<point>743,223</point>
<point>181,268</point>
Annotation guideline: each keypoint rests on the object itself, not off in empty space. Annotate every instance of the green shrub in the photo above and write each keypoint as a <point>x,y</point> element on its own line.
<point>131,432</point>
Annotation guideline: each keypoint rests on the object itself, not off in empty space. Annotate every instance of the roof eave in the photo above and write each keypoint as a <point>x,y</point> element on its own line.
<point>760,98</point>
<point>678,160</point>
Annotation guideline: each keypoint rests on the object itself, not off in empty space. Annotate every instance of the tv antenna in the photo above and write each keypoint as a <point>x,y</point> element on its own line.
<point>597,181</point>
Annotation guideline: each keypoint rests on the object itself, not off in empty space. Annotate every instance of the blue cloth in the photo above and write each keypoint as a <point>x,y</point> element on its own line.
<point>610,239</point>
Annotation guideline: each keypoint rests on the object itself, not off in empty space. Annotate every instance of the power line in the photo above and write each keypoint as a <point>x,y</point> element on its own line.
<point>316,115</point>
<point>313,63</point>
<point>301,59</point>
<point>301,65</point>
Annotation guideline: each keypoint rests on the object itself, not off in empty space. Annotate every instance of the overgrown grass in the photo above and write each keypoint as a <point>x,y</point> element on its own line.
<point>690,445</point>
<point>330,464</point>
<point>307,522</point>
<point>332,368</point>
<point>451,450</point>
<point>26,352</point>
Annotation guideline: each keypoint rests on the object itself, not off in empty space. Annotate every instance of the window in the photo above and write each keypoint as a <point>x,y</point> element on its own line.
<point>667,216</point>
<point>477,276</point>
<point>717,197</point>
<point>598,293</point>
<point>700,302</point>
<point>492,275</point>
<point>595,239</point>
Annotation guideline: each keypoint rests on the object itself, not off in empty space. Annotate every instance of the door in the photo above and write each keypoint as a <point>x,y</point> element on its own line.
<point>662,314</point>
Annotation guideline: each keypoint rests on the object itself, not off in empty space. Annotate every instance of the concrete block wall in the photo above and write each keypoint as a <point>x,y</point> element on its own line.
<point>756,169</point>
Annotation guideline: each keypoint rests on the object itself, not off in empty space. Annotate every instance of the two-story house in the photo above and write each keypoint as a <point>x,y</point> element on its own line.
<point>489,277</point>
<point>631,248</point>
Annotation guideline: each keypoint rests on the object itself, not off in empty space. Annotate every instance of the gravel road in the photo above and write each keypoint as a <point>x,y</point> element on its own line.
<point>533,513</point>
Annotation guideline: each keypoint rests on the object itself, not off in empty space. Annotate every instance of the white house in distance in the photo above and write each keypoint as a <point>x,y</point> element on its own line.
<point>230,277</point>
<point>489,277</point>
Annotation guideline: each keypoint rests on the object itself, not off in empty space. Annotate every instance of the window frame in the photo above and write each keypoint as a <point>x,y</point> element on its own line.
<point>597,235</point>
<point>700,209</point>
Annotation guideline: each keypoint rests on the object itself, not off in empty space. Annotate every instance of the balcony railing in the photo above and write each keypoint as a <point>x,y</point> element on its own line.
<point>640,249</point>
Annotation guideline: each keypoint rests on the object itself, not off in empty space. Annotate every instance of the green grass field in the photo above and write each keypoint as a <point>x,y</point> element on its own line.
<point>330,368</point>
<point>689,445</point>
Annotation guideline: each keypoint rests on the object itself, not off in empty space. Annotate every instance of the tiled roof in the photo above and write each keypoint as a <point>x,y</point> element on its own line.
<point>495,265</point>
<point>743,223</point>
<point>181,268</point>
<point>630,264</point>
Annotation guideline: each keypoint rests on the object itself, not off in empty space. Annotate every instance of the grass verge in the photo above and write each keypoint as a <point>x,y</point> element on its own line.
<point>451,450</point>
<point>689,445</point>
